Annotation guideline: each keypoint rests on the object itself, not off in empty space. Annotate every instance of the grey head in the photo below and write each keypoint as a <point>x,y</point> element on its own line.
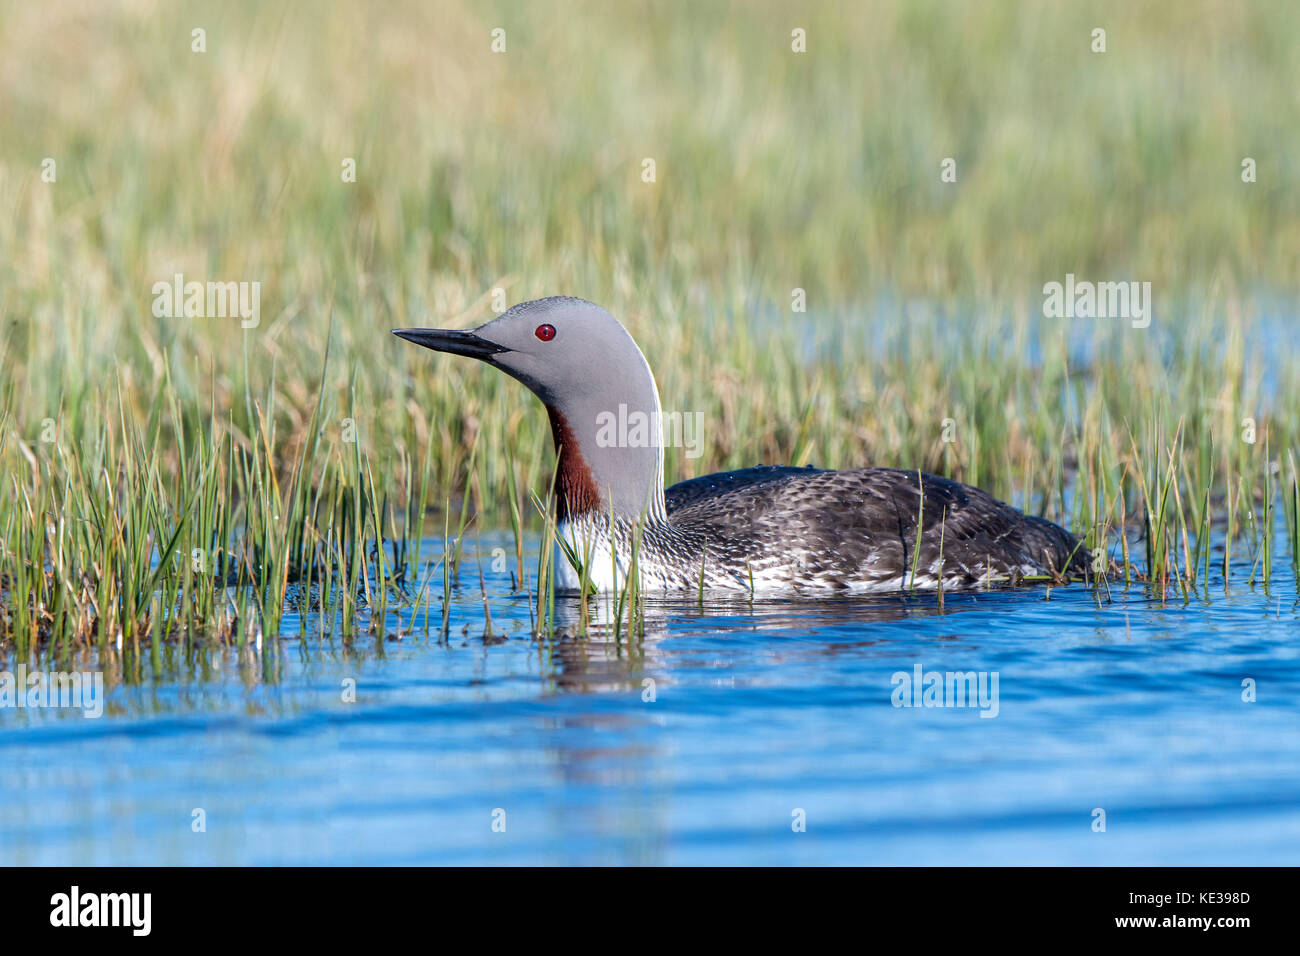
<point>597,389</point>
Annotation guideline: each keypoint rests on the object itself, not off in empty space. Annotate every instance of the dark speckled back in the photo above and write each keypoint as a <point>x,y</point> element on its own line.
<point>844,528</point>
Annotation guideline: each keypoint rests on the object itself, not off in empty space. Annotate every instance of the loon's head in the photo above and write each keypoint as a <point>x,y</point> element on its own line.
<point>598,391</point>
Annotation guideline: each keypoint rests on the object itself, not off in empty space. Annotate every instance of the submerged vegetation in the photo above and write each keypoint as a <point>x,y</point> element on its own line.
<point>169,477</point>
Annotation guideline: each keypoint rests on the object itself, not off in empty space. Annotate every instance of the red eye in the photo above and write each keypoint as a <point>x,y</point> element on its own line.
<point>545,332</point>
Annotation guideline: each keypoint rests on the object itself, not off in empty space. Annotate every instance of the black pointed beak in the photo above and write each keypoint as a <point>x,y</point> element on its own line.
<point>455,342</point>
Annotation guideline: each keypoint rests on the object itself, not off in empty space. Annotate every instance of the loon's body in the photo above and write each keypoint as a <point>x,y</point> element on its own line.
<point>768,529</point>
<point>779,529</point>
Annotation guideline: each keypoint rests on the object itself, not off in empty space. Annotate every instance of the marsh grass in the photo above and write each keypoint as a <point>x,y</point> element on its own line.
<point>104,548</point>
<point>171,479</point>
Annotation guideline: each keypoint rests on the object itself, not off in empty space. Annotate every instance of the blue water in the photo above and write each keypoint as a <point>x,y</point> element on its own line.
<point>761,717</point>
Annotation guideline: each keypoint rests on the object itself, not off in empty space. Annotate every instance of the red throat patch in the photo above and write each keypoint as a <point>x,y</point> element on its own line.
<point>575,487</point>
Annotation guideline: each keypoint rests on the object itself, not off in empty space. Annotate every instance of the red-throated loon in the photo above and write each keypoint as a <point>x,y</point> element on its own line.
<point>766,529</point>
